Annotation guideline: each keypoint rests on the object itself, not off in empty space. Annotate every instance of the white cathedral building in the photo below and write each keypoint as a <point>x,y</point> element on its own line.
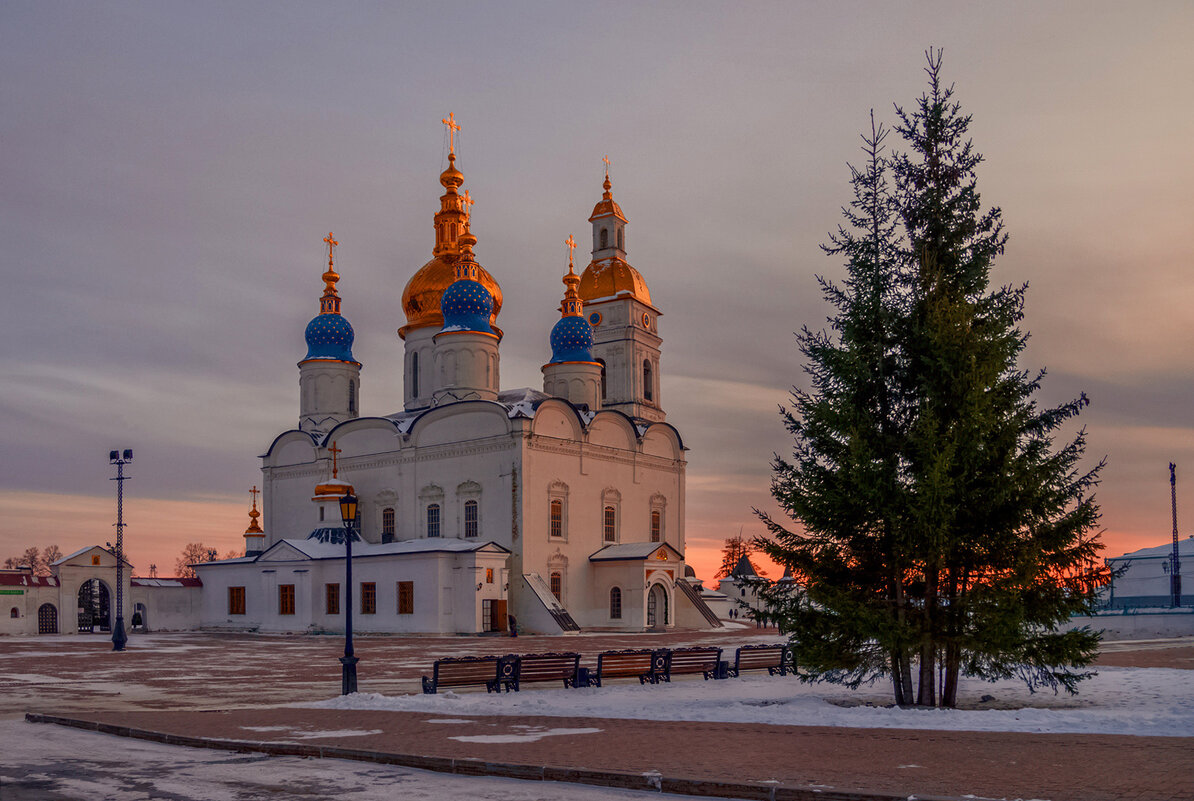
<point>562,508</point>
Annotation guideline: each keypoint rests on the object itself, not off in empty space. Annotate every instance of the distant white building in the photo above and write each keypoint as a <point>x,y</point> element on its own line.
<point>563,508</point>
<point>1145,577</point>
<point>79,595</point>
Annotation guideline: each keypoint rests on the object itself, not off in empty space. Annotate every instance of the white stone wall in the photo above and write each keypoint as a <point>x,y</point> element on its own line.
<point>324,393</point>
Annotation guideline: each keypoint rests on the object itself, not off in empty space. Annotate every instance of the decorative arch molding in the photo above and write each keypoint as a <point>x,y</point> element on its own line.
<point>611,516</point>
<point>359,424</point>
<point>559,413</point>
<point>287,438</point>
<point>435,414</point>
<point>612,429</point>
<point>661,439</point>
<point>387,524</point>
<point>468,509</point>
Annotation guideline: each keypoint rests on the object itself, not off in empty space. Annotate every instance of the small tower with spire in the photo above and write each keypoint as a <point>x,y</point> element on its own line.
<point>466,348</point>
<point>329,377</point>
<point>254,535</point>
<point>617,304</point>
<point>572,373</point>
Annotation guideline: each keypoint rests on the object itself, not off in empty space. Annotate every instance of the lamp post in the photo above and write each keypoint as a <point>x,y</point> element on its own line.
<point>348,673</point>
<point>119,638</point>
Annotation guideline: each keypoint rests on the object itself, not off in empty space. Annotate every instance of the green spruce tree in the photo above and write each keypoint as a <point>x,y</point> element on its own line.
<point>940,524</point>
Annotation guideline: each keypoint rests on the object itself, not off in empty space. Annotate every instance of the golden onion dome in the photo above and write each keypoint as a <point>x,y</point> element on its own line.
<point>451,178</point>
<point>420,299</point>
<point>612,278</point>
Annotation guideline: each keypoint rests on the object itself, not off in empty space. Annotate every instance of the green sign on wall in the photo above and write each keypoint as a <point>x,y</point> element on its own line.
<point>11,592</point>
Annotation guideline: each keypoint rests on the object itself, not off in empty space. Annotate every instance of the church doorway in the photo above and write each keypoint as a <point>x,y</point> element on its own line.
<point>47,619</point>
<point>95,605</point>
<point>656,607</point>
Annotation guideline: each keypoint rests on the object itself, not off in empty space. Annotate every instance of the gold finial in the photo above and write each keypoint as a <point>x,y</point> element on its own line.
<point>334,451</point>
<point>330,302</point>
<point>254,526</point>
<point>571,243</point>
<point>606,160</point>
<point>453,127</point>
<point>607,185</point>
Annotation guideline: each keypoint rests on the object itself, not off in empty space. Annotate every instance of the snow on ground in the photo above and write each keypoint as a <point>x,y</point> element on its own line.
<point>1136,701</point>
<point>42,762</point>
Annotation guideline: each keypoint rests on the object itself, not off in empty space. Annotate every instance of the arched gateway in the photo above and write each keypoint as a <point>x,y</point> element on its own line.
<point>95,607</point>
<point>47,619</point>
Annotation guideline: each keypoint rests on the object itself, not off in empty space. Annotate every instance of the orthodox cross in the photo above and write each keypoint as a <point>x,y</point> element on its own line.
<point>571,243</point>
<point>606,160</point>
<point>254,492</point>
<point>468,201</point>
<point>453,127</point>
<point>331,242</point>
<point>333,451</point>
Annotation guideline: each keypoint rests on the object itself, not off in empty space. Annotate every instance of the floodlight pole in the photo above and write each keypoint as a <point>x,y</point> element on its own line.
<point>119,638</point>
<point>1175,572</point>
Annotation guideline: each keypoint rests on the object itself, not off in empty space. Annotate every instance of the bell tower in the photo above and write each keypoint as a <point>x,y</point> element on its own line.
<point>617,305</point>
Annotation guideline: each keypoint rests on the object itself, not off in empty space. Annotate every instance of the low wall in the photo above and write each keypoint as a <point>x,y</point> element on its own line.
<point>1140,624</point>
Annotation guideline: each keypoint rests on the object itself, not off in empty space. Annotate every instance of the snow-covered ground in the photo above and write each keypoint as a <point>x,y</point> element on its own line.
<point>40,762</point>
<point>1136,701</point>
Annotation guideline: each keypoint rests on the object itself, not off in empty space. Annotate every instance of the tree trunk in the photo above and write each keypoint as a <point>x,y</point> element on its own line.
<point>926,692</point>
<point>953,662</point>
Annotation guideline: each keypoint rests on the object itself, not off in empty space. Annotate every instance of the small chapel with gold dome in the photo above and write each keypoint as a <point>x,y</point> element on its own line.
<point>560,507</point>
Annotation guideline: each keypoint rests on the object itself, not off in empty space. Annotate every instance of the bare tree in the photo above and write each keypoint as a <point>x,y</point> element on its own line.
<point>193,553</point>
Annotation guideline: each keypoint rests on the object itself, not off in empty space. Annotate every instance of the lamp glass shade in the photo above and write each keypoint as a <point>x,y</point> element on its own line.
<point>348,509</point>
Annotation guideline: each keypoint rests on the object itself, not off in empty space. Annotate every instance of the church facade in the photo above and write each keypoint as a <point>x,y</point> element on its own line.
<point>559,508</point>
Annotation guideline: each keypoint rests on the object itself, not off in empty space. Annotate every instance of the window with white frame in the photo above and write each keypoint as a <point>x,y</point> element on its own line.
<point>611,501</point>
<point>615,603</point>
<point>657,519</point>
<point>433,520</point>
<point>557,510</point>
<point>468,499</point>
<point>431,498</point>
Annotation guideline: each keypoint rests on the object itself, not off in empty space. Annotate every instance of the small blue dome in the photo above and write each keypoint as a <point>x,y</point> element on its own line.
<point>467,306</point>
<point>329,336</point>
<point>572,340</point>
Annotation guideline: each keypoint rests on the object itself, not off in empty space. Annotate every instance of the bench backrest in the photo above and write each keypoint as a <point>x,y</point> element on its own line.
<point>750,657</point>
<point>460,671</point>
<point>697,659</point>
<point>625,663</point>
<point>548,667</point>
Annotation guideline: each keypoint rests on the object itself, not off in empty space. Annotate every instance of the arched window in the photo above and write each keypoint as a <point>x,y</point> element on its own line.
<point>15,612</point>
<point>414,374</point>
<point>556,527</point>
<point>610,524</point>
<point>648,385</point>
<point>656,526</point>
<point>352,397</point>
<point>620,245</point>
<point>615,603</point>
<point>470,518</point>
<point>433,520</point>
<point>557,585</point>
<point>387,524</point>
<point>602,363</point>
<point>604,238</point>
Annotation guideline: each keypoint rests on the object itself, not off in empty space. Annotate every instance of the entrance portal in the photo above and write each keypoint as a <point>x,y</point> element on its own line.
<point>140,620</point>
<point>47,619</point>
<point>656,607</point>
<point>94,607</point>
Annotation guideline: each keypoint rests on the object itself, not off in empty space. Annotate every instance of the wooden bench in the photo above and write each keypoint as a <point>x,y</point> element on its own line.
<point>645,665</point>
<point>541,667</point>
<point>464,671</point>
<point>705,660</point>
<point>774,658</point>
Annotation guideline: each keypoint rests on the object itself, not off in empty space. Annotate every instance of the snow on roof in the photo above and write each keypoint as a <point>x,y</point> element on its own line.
<point>631,550</point>
<point>314,549</point>
<point>23,579</point>
<point>1184,548</point>
<point>85,550</point>
<point>165,582</point>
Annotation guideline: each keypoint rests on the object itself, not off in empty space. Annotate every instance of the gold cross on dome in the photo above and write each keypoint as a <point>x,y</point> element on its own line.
<point>468,201</point>
<point>254,492</point>
<point>606,160</point>
<point>571,243</point>
<point>333,451</point>
<point>331,243</point>
<point>453,127</point>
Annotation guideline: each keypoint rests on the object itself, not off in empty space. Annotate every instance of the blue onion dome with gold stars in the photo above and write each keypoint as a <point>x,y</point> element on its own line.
<point>572,336</point>
<point>467,305</point>
<point>329,335</point>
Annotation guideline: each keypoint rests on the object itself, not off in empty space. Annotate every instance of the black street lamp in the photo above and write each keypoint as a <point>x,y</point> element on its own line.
<point>119,638</point>
<point>348,673</point>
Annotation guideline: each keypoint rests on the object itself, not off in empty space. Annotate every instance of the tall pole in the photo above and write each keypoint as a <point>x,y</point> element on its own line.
<point>348,671</point>
<point>119,638</point>
<point>1175,571</point>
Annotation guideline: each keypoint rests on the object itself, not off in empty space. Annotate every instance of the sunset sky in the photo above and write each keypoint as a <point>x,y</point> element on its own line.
<point>168,172</point>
